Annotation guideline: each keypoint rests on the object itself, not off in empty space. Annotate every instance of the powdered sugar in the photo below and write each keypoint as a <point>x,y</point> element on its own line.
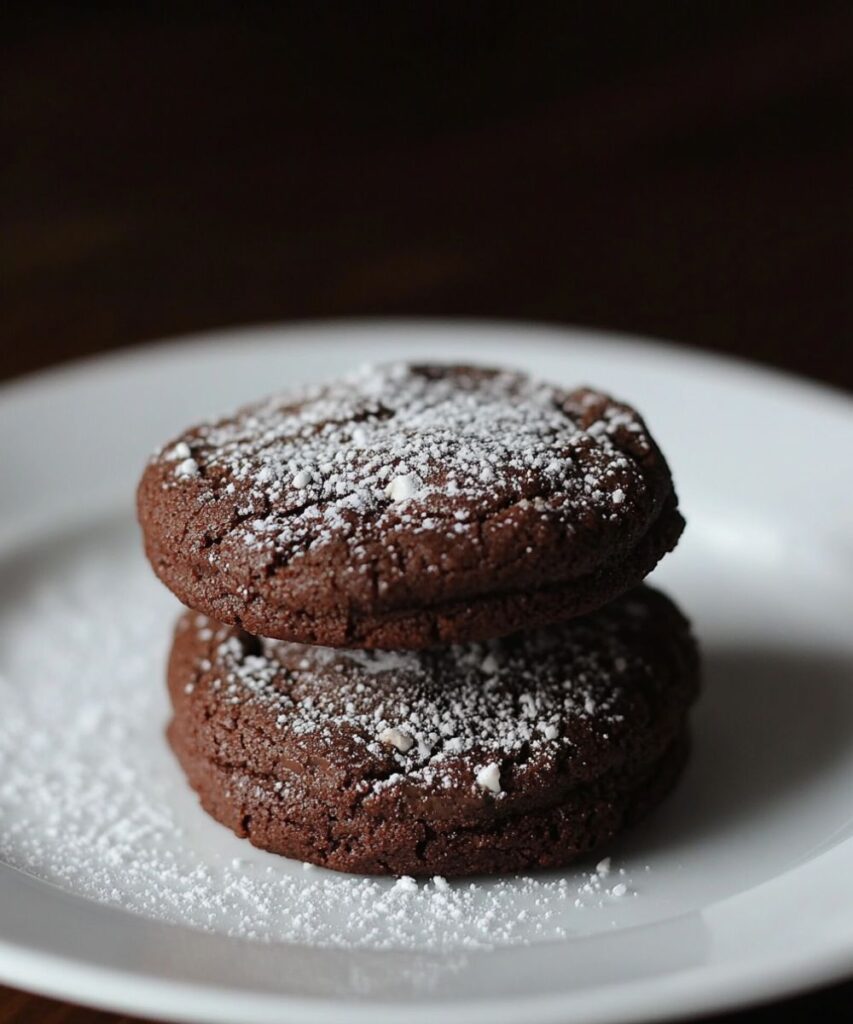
<point>91,800</point>
<point>404,487</point>
<point>186,470</point>
<point>179,452</point>
<point>397,738</point>
<point>457,718</point>
<point>489,777</point>
<point>403,449</point>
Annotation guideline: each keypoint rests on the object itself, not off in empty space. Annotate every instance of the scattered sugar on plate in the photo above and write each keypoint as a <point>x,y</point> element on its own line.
<point>92,800</point>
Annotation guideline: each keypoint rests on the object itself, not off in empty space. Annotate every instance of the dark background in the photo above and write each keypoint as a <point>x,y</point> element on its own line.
<point>677,170</point>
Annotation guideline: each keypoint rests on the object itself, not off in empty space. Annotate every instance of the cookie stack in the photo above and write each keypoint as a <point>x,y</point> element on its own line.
<point>417,641</point>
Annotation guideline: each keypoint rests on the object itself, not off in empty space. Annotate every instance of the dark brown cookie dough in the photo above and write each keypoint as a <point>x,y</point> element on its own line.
<point>518,753</point>
<point>409,506</point>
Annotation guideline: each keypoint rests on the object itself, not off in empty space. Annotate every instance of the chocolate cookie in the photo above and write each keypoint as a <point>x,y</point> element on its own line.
<point>408,506</point>
<point>518,753</point>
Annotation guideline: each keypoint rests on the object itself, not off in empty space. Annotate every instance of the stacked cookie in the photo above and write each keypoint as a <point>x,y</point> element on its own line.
<point>417,642</point>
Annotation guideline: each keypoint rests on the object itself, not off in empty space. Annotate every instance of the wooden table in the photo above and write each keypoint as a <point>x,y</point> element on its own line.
<point>683,173</point>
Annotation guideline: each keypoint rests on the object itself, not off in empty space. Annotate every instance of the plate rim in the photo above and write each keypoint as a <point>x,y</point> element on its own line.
<point>696,990</point>
<point>326,328</point>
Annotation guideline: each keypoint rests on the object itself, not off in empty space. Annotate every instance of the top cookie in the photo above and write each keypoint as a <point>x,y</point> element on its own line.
<point>405,506</point>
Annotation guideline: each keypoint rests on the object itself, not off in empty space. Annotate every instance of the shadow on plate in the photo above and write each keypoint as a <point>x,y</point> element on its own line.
<point>769,724</point>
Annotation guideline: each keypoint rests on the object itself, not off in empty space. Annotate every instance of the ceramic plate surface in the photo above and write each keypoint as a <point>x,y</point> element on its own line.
<point>117,891</point>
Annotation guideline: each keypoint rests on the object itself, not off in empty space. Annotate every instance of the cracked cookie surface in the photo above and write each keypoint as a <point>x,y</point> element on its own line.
<point>405,506</point>
<point>517,753</point>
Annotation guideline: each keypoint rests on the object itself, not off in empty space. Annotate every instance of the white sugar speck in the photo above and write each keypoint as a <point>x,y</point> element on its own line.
<point>404,487</point>
<point>489,664</point>
<point>187,469</point>
<point>396,738</point>
<point>179,452</point>
<point>489,777</point>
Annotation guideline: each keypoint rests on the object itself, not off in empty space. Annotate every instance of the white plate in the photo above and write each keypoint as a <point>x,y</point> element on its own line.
<point>111,874</point>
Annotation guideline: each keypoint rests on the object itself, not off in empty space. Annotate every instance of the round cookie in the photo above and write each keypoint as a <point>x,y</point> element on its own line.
<point>409,506</point>
<point>519,753</point>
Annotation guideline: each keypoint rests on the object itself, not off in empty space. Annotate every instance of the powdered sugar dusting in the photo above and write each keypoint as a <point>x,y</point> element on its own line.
<point>489,777</point>
<point>404,448</point>
<point>460,717</point>
<point>91,799</point>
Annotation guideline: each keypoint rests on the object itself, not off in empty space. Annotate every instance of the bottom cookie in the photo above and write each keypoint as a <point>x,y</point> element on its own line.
<point>522,753</point>
<point>548,838</point>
